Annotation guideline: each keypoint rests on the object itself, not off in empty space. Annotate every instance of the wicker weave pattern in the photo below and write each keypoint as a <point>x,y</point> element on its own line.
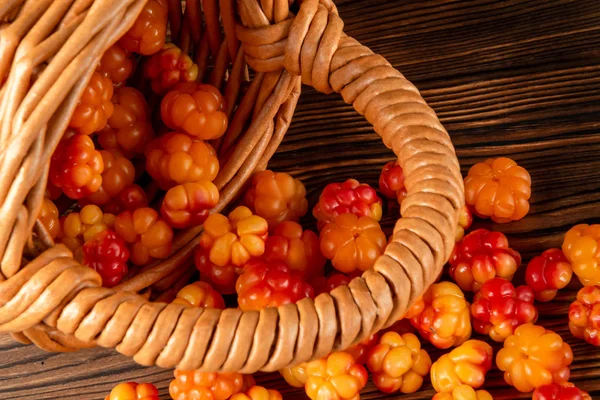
<point>59,305</point>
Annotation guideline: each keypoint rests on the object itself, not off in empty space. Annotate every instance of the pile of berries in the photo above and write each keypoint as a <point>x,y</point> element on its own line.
<point>139,165</point>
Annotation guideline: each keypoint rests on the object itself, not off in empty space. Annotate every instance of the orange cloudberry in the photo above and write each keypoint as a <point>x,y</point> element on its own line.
<point>498,188</point>
<point>352,243</point>
<point>94,107</point>
<point>465,365</point>
<point>149,236</point>
<point>277,197</point>
<point>445,320</point>
<point>533,357</point>
<point>398,363</point>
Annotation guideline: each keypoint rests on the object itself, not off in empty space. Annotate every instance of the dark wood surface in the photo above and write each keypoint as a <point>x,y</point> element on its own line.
<point>516,78</point>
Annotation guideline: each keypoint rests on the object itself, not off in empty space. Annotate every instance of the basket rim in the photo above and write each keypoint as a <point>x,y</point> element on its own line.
<point>69,298</point>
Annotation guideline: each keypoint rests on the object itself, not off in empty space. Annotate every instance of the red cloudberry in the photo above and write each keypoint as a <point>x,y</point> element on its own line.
<point>169,67</point>
<point>391,181</point>
<point>584,315</point>
<point>547,273</point>
<point>565,391</point>
<point>347,197</point>
<point>188,204</point>
<point>269,284</point>
<point>76,167</point>
<point>498,308</point>
<point>107,254</point>
<point>481,256</point>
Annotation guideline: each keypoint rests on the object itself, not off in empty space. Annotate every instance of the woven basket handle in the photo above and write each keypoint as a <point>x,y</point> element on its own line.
<point>55,291</point>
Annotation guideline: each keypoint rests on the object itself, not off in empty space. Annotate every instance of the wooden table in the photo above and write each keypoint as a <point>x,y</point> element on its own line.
<point>518,78</point>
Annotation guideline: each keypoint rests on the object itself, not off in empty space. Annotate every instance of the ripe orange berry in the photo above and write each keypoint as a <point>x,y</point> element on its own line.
<point>148,33</point>
<point>336,377</point>
<point>116,64</point>
<point>465,365</point>
<point>49,216</point>
<point>498,188</point>
<point>295,376</point>
<point>352,243</point>
<point>94,107</point>
<point>298,248</point>
<point>133,391</point>
<point>178,158</point>
<point>189,385</point>
<point>464,392</point>
<point>258,393</point>
<point>169,67</point>
<point>200,294</point>
<point>277,197</point>
<point>234,239</point>
<point>533,357</point>
<point>195,108</point>
<point>398,363</point>
<point>582,248</point>
<point>129,127</point>
<point>188,204</point>
<point>149,236</point>
<point>76,166</point>
<point>118,174</point>
<point>584,315</point>
<point>80,227</point>
<point>445,321</point>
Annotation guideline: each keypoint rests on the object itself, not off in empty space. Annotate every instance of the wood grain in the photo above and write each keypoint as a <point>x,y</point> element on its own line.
<point>519,78</point>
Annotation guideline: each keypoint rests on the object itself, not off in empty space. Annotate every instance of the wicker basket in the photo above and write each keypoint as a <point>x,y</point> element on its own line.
<point>48,51</point>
